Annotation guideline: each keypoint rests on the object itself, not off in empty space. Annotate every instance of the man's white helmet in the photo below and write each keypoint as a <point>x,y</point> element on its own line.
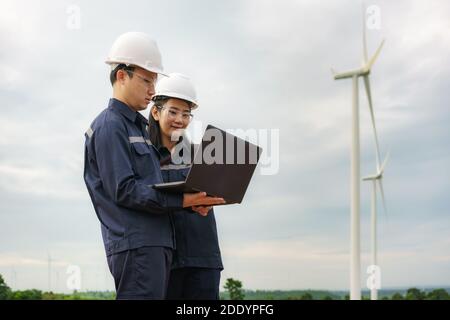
<point>136,48</point>
<point>177,85</point>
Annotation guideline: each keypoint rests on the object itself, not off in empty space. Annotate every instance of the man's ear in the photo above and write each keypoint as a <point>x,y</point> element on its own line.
<point>120,75</point>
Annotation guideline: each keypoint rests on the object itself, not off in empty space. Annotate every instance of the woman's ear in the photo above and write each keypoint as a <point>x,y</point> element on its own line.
<point>154,113</point>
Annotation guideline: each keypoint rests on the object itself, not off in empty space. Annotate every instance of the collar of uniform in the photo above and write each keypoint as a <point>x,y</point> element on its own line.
<point>141,118</point>
<point>123,109</point>
<point>165,156</point>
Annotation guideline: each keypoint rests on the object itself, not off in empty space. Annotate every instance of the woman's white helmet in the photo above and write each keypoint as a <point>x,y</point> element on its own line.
<point>138,49</point>
<point>176,85</point>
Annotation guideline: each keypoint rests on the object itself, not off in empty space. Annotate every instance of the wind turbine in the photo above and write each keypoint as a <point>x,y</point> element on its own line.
<point>379,169</point>
<point>49,265</point>
<point>373,216</point>
<point>364,71</point>
<point>14,278</point>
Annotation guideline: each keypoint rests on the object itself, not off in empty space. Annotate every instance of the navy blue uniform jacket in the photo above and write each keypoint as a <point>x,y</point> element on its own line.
<point>120,165</point>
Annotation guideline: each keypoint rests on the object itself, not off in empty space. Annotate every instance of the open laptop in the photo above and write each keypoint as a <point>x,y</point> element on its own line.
<point>223,167</point>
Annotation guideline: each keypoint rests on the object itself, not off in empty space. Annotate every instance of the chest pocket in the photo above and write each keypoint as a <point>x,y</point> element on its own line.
<point>143,158</point>
<point>174,174</point>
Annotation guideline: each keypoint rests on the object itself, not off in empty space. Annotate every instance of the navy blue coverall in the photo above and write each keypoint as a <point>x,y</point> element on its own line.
<point>197,261</point>
<point>120,166</point>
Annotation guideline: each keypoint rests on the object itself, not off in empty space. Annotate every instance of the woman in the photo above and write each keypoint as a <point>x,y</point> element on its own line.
<point>197,261</point>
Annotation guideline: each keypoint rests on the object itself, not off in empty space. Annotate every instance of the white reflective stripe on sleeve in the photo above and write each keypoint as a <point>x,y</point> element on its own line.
<point>89,132</point>
<point>175,166</point>
<point>136,139</point>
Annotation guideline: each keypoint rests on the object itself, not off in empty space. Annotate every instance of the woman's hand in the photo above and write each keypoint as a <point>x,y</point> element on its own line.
<point>202,210</point>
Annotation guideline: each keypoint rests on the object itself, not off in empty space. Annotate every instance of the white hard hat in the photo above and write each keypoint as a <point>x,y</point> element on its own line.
<point>177,85</point>
<point>136,48</point>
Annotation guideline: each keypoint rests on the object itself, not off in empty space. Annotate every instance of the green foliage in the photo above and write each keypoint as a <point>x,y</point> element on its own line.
<point>5,291</point>
<point>32,294</point>
<point>397,296</point>
<point>290,294</point>
<point>306,296</point>
<point>234,292</point>
<point>438,294</point>
<point>415,294</point>
<point>234,288</point>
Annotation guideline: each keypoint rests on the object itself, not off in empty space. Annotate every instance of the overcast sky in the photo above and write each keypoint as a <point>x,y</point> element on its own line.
<point>257,64</point>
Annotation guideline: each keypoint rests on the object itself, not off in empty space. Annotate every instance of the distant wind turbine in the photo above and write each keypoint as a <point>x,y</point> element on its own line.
<point>376,179</point>
<point>49,261</point>
<point>364,71</point>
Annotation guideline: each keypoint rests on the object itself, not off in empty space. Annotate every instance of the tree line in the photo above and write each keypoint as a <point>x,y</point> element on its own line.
<point>233,291</point>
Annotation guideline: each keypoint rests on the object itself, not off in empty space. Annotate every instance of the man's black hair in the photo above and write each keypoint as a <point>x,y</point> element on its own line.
<point>113,74</point>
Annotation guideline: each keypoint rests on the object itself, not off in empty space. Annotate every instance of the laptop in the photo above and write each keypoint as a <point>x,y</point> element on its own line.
<point>223,167</point>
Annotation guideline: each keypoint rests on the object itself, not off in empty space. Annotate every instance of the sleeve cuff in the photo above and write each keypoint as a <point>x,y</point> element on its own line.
<point>174,200</point>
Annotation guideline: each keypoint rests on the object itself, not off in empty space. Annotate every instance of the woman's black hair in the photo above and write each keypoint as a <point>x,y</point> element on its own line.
<point>153,125</point>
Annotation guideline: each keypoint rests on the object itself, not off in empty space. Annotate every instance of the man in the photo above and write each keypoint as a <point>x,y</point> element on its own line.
<point>121,165</point>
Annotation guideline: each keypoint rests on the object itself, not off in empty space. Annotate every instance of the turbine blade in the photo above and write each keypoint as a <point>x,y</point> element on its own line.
<point>364,34</point>
<point>375,56</point>
<point>384,162</point>
<point>372,116</point>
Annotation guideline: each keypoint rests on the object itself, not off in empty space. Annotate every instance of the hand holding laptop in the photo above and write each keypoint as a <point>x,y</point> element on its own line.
<point>200,202</point>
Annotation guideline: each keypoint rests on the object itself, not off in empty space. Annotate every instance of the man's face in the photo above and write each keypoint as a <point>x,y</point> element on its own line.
<point>139,88</point>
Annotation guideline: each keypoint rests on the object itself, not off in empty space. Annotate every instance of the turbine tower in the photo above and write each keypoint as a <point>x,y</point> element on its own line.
<point>49,275</point>
<point>364,71</point>
<point>376,179</point>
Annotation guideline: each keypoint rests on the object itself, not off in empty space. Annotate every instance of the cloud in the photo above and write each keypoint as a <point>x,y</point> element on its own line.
<point>256,65</point>
<point>18,261</point>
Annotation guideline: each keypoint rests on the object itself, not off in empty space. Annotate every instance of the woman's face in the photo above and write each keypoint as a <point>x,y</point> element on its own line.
<point>173,117</point>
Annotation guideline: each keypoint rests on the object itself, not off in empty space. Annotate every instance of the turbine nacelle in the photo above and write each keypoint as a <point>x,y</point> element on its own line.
<point>378,179</point>
<point>380,171</point>
<point>364,71</point>
<point>350,74</point>
<point>373,177</point>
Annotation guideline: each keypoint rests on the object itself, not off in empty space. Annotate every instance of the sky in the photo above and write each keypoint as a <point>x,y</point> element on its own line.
<point>257,65</point>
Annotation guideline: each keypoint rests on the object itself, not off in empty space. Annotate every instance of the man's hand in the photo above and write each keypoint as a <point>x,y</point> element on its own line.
<point>200,202</point>
<point>202,210</point>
